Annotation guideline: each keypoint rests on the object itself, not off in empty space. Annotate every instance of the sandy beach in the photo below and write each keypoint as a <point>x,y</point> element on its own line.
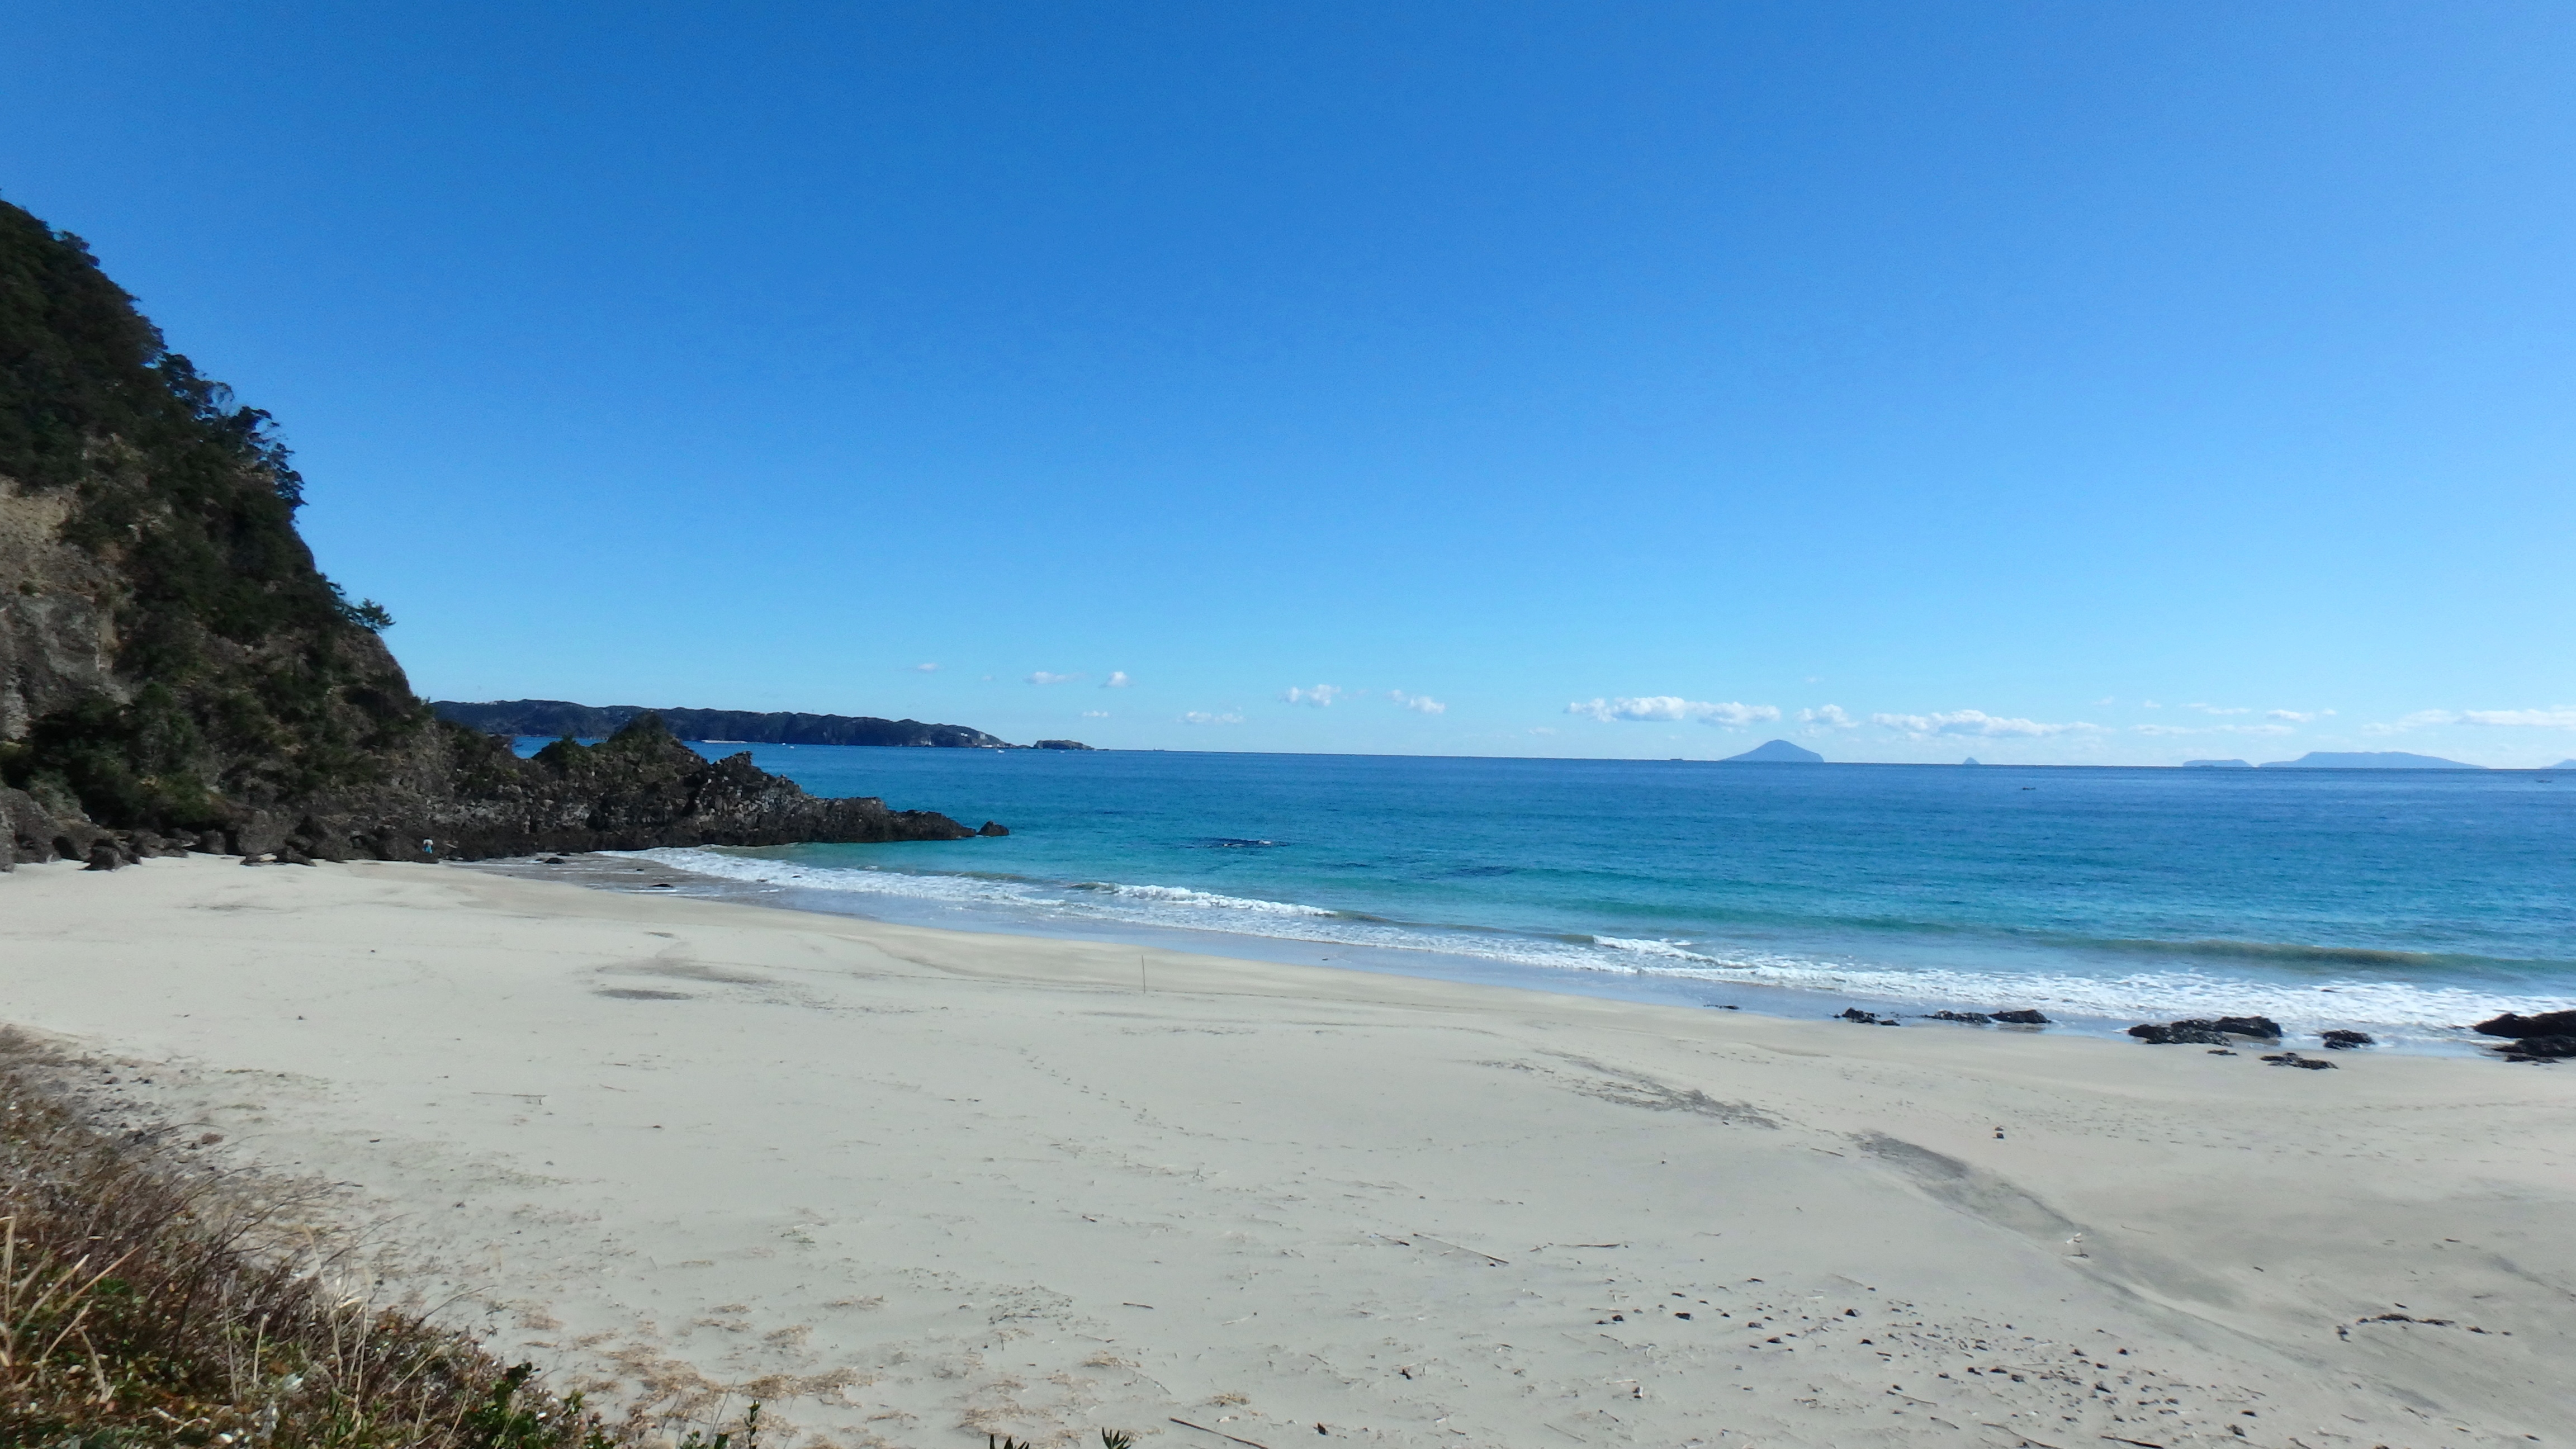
<point>912,1187</point>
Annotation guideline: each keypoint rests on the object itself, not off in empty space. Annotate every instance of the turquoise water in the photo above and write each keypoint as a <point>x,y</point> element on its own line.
<point>2402,901</point>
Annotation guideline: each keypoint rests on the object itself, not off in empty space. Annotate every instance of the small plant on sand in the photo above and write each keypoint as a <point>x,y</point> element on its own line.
<point>724,1438</point>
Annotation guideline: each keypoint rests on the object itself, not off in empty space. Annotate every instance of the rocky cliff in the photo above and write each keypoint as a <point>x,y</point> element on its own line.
<point>176,674</point>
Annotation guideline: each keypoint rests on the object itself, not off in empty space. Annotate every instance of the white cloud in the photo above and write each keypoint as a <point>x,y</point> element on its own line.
<point>2294,716</point>
<point>1974,722</point>
<point>1830,715</point>
<point>925,669</point>
<point>1117,680</point>
<point>1672,707</point>
<point>2545,719</point>
<point>1202,717</point>
<point>2215,709</point>
<point>1420,703</point>
<point>1319,697</point>
<point>1095,714</point>
<point>1542,729</point>
<point>1042,677</point>
<point>2226,729</point>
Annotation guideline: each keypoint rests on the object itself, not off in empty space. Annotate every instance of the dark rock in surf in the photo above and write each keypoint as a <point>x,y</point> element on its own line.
<point>2538,1049</point>
<point>2180,1033</point>
<point>994,827</point>
<point>2547,1023</point>
<point>1972,1018</point>
<point>2203,1031</point>
<point>2293,1059</point>
<point>2021,1018</point>
<point>1858,1017</point>
<point>2344,1041</point>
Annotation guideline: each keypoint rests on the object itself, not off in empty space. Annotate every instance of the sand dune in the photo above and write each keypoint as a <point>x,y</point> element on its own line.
<point>911,1187</point>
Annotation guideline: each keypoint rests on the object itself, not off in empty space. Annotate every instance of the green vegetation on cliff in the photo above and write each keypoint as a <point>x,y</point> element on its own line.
<point>250,676</point>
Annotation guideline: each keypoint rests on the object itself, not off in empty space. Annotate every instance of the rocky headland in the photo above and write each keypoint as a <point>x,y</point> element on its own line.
<point>176,674</point>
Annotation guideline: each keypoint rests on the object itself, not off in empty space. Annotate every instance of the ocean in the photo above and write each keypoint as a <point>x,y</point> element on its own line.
<point>2405,903</point>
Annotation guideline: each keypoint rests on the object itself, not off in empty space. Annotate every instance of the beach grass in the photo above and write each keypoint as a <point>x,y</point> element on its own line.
<point>149,1298</point>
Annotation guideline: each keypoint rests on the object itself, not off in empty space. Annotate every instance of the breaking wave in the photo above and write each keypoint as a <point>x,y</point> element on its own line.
<point>2406,1010</point>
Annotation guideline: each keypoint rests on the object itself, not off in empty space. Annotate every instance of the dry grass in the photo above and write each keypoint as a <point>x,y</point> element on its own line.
<point>148,1300</point>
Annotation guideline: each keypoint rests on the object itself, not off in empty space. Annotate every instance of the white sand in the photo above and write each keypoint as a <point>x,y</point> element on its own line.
<point>912,1186</point>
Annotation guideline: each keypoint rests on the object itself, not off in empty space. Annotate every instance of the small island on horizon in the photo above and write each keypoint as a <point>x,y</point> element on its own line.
<point>1775,752</point>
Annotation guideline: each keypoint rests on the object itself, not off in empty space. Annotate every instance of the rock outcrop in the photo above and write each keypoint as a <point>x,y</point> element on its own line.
<point>175,674</point>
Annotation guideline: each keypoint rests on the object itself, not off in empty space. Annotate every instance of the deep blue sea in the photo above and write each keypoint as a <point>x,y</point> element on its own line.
<point>2404,902</point>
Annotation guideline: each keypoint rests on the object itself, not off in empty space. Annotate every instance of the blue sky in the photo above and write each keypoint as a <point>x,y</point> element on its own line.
<point>2052,383</point>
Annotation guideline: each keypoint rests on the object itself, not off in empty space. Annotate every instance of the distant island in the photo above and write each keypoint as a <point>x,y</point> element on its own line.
<point>2216,765</point>
<point>1775,752</point>
<point>559,718</point>
<point>2366,760</point>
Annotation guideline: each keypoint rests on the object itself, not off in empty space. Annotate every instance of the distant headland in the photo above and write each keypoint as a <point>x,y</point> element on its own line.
<point>559,718</point>
<point>2366,760</point>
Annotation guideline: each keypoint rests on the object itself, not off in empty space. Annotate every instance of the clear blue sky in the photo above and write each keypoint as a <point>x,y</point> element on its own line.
<point>2062,382</point>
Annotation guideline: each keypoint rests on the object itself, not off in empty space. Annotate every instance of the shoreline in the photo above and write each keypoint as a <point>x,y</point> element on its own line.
<point>912,1186</point>
<point>1644,985</point>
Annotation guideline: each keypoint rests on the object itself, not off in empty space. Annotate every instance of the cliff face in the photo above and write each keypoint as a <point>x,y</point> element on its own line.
<point>175,673</point>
